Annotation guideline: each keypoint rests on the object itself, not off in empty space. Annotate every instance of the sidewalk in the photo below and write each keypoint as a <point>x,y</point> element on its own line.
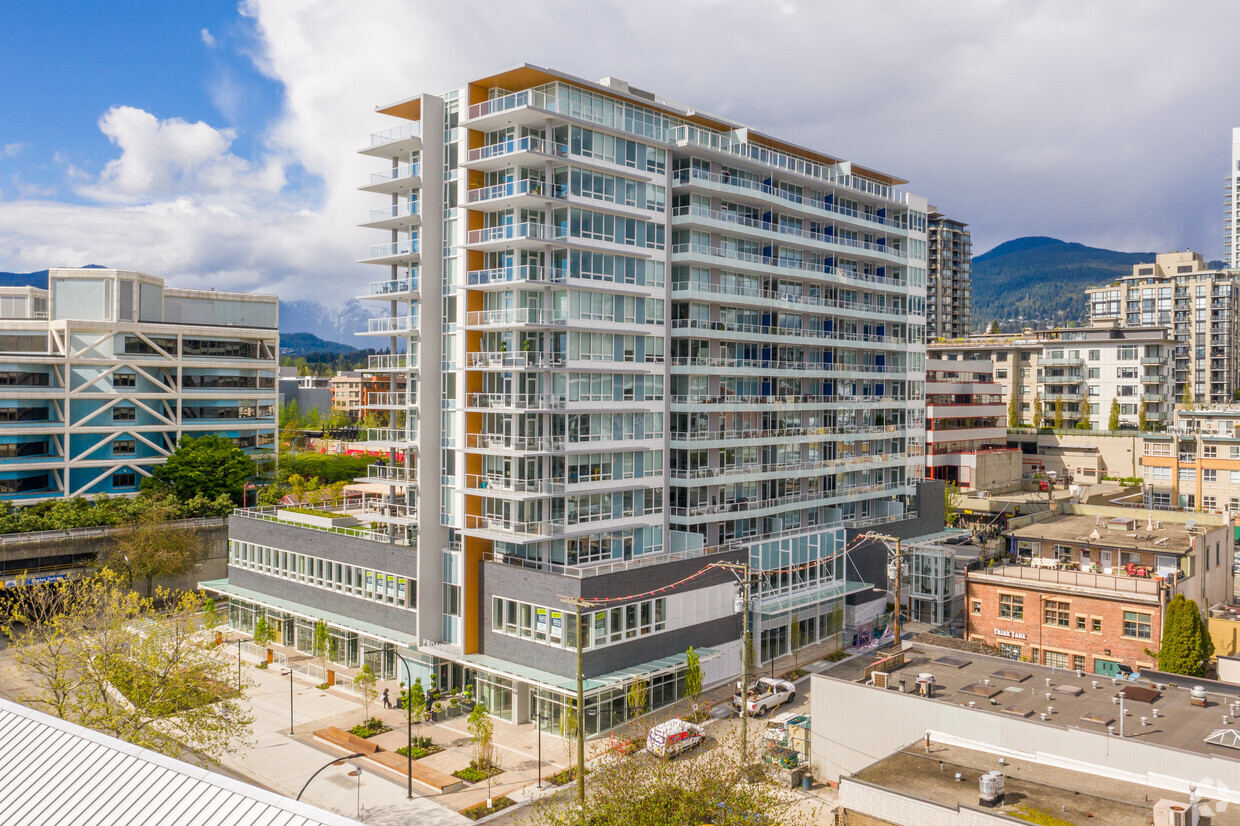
<point>284,763</point>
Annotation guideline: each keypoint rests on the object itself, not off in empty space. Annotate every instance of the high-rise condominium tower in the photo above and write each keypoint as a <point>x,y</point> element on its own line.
<point>1231,205</point>
<point>634,339</point>
<point>949,310</point>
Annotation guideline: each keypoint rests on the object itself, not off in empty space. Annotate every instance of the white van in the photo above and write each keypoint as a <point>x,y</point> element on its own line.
<point>673,737</point>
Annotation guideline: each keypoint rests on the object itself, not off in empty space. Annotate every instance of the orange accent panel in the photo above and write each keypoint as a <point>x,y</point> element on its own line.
<point>407,109</point>
<point>472,609</point>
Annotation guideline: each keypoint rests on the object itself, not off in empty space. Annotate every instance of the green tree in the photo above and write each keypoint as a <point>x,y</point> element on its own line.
<point>1013,413</point>
<point>80,645</point>
<point>951,503</point>
<point>1037,410</point>
<point>416,697</point>
<point>210,614</point>
<point>568,732</point>
<point>639,690</point>
<point>1186,644</point>
<point>364,682</point>
<point>482,733</point>
<point>148,547</point>
<point>1113,419</point>
<point>1084,423</point>
<point>693,677</point>
<point>1187,399</point>
<point>710,788</point>
<point>262,631</point>
<point>322,643</point>
<point>993,328</point>
<point>208,465</point>
<point>1059,414</point>
<point>1143,422</point>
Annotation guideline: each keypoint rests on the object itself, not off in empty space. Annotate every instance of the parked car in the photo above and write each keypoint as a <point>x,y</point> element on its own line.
<point>673,737</point>
<point>766,694</point>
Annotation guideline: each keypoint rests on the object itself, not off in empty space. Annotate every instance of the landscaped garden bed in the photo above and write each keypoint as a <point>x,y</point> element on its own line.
<point>370,728</point>
<point>794,674</point>
<point>480,811</point>
<point>473,774</point>
<point>422,746</point>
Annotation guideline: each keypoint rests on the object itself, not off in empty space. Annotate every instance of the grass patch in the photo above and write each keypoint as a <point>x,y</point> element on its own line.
<point>1032,815</point>
<point>568,775</point>
<point>473,774</point>
<point>794,674</point>
<point>836,656</point>
<point>480,811</point>
<point>422,746</point>
<point>313,512</point>
<point>370,728</point>
<point>261,666</point>
<point>322,686</point>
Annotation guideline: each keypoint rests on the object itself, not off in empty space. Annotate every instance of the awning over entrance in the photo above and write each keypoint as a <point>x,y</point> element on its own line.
<point>775,606</point>
<point>556,682</point>
<point>379,632</point>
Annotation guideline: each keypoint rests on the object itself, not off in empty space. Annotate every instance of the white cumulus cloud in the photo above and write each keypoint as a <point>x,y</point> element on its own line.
<point>1044,117</point>
<point>208,39</point>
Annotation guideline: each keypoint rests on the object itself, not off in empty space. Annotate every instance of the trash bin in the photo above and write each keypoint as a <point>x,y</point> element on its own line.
<point>807,782</point>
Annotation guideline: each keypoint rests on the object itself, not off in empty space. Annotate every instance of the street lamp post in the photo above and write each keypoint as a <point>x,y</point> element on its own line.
<point>538,719</point>
<point>335,762</point>
<point>290,702</point>
<point>292,452</point>
<point>408,709</point>
<point>129,569</point>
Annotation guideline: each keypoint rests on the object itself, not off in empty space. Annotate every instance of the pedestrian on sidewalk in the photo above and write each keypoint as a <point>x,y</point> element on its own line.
<point>387,701</point>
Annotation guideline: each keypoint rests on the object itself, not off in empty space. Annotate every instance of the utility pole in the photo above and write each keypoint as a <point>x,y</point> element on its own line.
<point>746,645</point>
<point>898,554</point>
<point>578,603</point>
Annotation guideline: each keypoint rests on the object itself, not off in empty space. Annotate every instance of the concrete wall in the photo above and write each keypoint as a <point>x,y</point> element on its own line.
<point>394,559</point>
<point>76,551</point>
<point>544,588</point>
<point>881,721</point>
<point>1113,455</point>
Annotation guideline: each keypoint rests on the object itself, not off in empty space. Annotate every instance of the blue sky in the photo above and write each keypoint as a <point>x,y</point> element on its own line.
<point>68,63</point>
<point>130,139</point>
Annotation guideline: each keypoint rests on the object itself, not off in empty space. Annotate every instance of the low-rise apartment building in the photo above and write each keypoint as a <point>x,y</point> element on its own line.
<point>106,370</point>
<point>1063,369</point>
<point>353,392</point>
<point>1087,589</point>
<point>1196,464</point>
<point>966,426</point>
<point>1199,307</point>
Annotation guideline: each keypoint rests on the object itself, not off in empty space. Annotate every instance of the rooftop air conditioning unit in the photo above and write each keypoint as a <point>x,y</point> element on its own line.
<point>880,679</point>
<point>990,789</point>
<point>1174,813</point>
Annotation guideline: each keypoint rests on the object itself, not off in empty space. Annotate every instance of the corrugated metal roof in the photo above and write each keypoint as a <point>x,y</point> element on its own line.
<point>52,771</point>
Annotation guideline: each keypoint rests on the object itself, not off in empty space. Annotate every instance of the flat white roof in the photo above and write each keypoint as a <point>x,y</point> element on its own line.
<point>54,771</point>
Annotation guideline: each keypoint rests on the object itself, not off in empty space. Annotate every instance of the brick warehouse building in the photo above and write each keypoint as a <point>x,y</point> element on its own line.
<point>1087,590</point>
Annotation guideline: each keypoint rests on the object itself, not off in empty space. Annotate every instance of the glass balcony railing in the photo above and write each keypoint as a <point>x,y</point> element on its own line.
<point>409,246</point>
<point>396,173</point>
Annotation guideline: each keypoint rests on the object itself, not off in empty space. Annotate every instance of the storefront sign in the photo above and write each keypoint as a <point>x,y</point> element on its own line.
<point>443,648</point>
<point>1016,635</point>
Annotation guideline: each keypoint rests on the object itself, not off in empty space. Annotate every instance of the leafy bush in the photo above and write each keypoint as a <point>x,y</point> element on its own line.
<point>472,774</point>
<point>422,747</point>
<point>312,512</point>
<point>836,656</point>
<point>370,728</point>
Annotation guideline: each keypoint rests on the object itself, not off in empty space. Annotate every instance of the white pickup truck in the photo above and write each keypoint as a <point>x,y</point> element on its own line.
<point>765,694</point>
